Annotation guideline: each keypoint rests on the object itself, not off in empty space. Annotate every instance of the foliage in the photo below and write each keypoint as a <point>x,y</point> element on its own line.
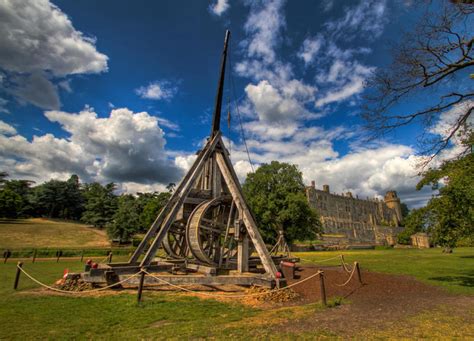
<point>126,220</point>
<point>10,203</point>
<point>433,61</point>
<point>405,210</point>
<point>275,193</point>
<point>152,208</point>
<point>414,222</point>
<point>451,213</point>
<point>100,204</point>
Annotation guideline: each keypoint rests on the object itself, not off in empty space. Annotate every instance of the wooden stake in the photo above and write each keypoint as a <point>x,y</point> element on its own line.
<point>59,253</point>
<point>356,264</point>
<point>17,276</point>
<point>34,255</point>
<point>322,288</point>
<point>82,255</point>
<point>140,287</point>
<point>109,259</point>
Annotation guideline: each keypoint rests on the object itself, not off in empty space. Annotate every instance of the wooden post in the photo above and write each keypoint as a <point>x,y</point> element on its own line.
<point>34,255</point>
<point>109,258</point>
<point>342,262</point>
<point>82,255</point>
<point>6,255</point>
<point>140,286</point>
<point>59,253</point>
<point>243,254</point>
<point>356,264</point>
<point>322,288</point>
<point>17,276</point>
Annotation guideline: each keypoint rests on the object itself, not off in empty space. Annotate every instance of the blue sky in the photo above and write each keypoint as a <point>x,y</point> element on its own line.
<point>123,91</point>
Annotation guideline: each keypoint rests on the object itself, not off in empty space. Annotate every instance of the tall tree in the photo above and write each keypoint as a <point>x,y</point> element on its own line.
<point>100,204</point>
<point>152,208</point>
<point>432,63</point>
<point>451,213</point>
<point>276,195</point>
<point>126,220</point>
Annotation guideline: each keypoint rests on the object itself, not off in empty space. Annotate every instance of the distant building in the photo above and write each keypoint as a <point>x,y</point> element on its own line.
<point>356,220</point>
<point>420,240</point>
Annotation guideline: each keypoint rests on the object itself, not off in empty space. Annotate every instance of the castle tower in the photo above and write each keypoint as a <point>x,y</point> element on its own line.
<point>393,201</point>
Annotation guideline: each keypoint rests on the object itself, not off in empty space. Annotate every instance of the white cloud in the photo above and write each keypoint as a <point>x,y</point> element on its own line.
<point>39,43</point>
<point>345,80</point>
<point>157,90</point>
<point>219,7</point>
<point>123,147</point>
<point>310,49</point>
<point>7,129</point>
<point>366,20</point>
<point>263,27</point>
<point>3,103</point>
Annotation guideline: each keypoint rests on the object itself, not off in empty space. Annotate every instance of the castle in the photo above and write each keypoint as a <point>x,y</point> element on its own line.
<point>355,220</point>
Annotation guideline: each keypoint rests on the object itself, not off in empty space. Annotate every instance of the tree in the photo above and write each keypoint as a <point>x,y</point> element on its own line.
<point>414,222</point>
<point>451,213</point>
<point>100,204</point>
<point>10,203</point>
<point>433,61</point>
<point>276,195</point>
<point>152,208</point>
<point>126,220</point>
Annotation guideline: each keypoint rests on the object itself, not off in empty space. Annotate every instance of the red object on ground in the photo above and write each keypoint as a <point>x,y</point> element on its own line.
<point>95,265</point>
<point>288,264</point>
<point>278,274</point>
<point>89,262</point>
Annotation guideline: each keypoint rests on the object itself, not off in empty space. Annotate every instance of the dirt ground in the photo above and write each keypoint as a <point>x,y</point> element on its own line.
<point>380,301</point>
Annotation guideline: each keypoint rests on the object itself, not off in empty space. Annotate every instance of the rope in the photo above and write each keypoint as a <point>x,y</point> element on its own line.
<point>345,265</point>
<point>232,296</point>
<point>321,261</point>
<point>349,279</point>
<point>232,87</point>
<point>74,292</point>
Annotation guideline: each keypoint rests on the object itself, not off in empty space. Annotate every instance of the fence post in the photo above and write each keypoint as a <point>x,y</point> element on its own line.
<point>17,276</point>
<point>59,253</point>
<point>322,288</point>
<point>6,254</point>
<point>34,255</point>
<point>358,272</point>
<point>82,255</point>
<point>140,286</point>
<point>109,258</point>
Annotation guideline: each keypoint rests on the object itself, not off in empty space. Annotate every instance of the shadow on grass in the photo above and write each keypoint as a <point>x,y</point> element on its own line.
<point>465,280</point>
<point>14,221</point>
<point>467,257</point>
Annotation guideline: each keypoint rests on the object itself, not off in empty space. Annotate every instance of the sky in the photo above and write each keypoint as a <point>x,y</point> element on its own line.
<point>121,91</point>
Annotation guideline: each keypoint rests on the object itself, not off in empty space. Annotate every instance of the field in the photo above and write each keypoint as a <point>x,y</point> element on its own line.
<point>43,233</point>
<point>448,311</point>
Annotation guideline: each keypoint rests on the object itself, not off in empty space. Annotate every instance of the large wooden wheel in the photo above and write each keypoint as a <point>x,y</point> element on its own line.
<point>208,231</point>
<point>174,243</point>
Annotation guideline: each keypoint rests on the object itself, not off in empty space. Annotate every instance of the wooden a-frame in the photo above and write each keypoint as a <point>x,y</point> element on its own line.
<point>214,150</point>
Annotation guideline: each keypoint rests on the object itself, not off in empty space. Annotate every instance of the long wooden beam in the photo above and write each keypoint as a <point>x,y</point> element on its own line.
<point>232,182</point>
<point>193,175</point>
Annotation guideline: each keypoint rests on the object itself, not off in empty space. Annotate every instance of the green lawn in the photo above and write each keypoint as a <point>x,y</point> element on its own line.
<point>41,233</point>
<point>454,272</point>
<point>32,314</point>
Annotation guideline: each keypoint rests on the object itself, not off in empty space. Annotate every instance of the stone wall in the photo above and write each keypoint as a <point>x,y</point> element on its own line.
<point>364,221</point>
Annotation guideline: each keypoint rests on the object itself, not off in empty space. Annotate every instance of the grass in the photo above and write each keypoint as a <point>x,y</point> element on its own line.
<point>31,314</point>
<point>454,272</point>
<point>41,233</point>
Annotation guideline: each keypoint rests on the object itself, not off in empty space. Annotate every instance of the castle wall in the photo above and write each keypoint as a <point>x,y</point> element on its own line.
<point>371,221</point>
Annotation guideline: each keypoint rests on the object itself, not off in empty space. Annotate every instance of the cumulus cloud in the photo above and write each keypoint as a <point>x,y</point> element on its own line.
<point>219,7</point>
<point>157,90</point>
<point>124,147</point>
<point>39,43</point>
<point>7,129</point>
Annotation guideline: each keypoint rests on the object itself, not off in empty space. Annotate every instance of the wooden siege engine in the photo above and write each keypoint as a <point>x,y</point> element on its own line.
<point>206,229</point>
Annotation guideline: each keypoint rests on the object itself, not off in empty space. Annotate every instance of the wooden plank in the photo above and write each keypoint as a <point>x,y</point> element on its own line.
<point>232,182</point>
<point>243,254</point>
<point>207,152</point>
<point>206,280</point>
